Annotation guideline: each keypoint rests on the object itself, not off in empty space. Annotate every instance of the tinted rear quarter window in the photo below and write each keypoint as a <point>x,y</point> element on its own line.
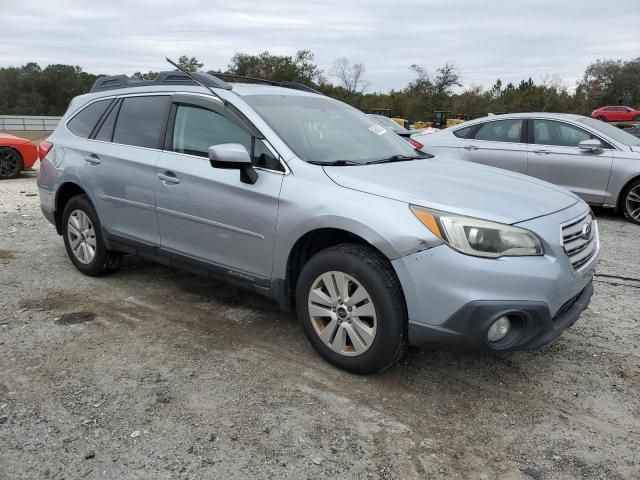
<point>105,133</point>
<point>141,121</point>
<point>83,123</point>
<point>463,132</point>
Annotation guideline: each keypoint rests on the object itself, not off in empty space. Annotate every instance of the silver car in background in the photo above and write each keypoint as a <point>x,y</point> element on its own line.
<point>595,160</point>
<point>311,203</point>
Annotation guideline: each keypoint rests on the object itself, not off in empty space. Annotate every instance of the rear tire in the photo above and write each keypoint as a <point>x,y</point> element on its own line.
<point>83,239</point>
<point>636,118</point>
<point>11,163</point>
<point>630,202</point>
<point>365,332</point>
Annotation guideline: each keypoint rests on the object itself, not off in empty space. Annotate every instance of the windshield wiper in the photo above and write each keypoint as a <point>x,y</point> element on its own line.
<point>398,158</point>
<point>339,163</point>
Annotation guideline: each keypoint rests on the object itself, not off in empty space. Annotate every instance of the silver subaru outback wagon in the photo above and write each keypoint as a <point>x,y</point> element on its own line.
<point>310,202</point>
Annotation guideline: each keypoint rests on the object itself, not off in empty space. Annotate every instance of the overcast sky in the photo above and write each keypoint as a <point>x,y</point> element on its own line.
<point>485,39</point>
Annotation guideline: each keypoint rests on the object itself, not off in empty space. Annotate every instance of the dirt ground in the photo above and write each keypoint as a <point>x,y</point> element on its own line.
<point>155,373</point>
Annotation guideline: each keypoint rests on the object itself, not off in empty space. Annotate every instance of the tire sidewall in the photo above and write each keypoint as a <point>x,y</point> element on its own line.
<point>624,202</point>
<point>98,264</point>
<point>391,322</point>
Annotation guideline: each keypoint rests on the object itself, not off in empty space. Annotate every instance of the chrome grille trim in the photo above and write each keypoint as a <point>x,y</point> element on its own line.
<point>581,250</point>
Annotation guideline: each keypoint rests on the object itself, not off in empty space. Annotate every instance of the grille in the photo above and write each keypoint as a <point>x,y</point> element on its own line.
<point>580,240</point>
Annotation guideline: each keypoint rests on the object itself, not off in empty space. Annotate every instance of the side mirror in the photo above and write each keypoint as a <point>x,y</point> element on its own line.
<point>591,145</point>
<point>233,156</point>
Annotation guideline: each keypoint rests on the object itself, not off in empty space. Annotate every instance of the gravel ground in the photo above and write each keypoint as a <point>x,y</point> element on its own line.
<point>156,373</point>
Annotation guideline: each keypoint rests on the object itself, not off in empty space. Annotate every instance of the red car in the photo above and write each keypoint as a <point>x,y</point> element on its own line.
<point>16,155</point>
<point>616,114</point>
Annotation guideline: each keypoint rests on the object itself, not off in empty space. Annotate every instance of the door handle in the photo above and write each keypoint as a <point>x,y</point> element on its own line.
<point>169,178</point>
<point>542,152</point>
<point>470,147</point>
<point>92,159</point>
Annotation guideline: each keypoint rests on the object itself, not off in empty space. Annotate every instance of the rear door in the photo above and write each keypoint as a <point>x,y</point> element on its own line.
<point>120,168</point>
<point>207,213</point>
<point>554,156</point>
<point>498,143</point>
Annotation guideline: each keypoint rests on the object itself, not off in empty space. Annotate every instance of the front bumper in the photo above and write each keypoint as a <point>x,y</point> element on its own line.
<point>454,298</point>
<point>534,325</point>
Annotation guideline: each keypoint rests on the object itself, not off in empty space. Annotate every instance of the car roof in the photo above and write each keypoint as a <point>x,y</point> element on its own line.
<point>506,116</point>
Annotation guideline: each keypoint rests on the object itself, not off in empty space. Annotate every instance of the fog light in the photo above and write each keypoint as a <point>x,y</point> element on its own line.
<point>499,329</point>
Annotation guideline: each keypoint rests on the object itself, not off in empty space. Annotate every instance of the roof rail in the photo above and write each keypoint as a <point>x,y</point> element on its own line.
<point>284,84</point>
<point>164,78</point>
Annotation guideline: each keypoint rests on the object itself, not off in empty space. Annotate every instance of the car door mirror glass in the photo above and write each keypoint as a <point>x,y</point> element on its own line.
<point>233,156</point>
<point>592,145</point>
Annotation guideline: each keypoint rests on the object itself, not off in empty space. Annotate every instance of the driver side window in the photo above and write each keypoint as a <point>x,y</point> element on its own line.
<point>196,129</point>
<point>549,132</point>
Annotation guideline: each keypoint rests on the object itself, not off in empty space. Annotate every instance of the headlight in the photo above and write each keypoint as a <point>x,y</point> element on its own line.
<point>480,238</point>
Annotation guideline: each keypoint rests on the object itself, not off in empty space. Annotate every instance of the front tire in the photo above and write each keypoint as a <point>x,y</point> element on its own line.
<point>352,309</point>
<point>11,163</point>
<point>631,202</point>
<point>83,239</point>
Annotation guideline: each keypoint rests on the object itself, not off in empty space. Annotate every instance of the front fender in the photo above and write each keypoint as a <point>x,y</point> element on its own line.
<point>386,224</point>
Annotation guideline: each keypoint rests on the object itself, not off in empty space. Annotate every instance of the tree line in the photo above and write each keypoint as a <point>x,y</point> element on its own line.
<point>33,90</point>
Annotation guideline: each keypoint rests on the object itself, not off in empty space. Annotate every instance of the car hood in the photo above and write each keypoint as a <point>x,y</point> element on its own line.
<point>458,187</point>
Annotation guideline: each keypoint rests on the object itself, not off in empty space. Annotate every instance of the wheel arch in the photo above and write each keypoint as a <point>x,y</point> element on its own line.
<point>623,191</point>
<point>66,192</point>
<point>14,148</point>
<point>307,245</point>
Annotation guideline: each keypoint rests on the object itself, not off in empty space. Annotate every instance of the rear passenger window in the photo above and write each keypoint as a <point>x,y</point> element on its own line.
<point>82,124</point>
<point>500,131</point>
<point>141,121</point>
<point>463,132</point>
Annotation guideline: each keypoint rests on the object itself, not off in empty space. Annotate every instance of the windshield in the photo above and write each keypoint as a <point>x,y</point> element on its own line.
<point>615,133</point>
<point>323,130</point>
<point>388,123</point>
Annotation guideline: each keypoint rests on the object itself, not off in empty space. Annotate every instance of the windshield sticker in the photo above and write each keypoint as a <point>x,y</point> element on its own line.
<point>378,129</point>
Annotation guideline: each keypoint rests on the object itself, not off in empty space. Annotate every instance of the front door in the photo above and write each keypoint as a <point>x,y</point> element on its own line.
<point>207,213</point>
<point>554,156</point>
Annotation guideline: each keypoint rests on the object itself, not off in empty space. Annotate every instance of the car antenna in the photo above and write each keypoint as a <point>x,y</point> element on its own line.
<point>195,79</point>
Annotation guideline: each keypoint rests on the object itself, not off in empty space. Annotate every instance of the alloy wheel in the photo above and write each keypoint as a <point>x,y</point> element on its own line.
<point>633,203</point>
<point>82,236</point>
<point>342,313</point>
<point>9,162</point>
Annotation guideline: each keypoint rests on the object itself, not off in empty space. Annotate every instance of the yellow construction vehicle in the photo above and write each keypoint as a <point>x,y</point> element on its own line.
<point>386,112</point>
<point>403,122</point>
